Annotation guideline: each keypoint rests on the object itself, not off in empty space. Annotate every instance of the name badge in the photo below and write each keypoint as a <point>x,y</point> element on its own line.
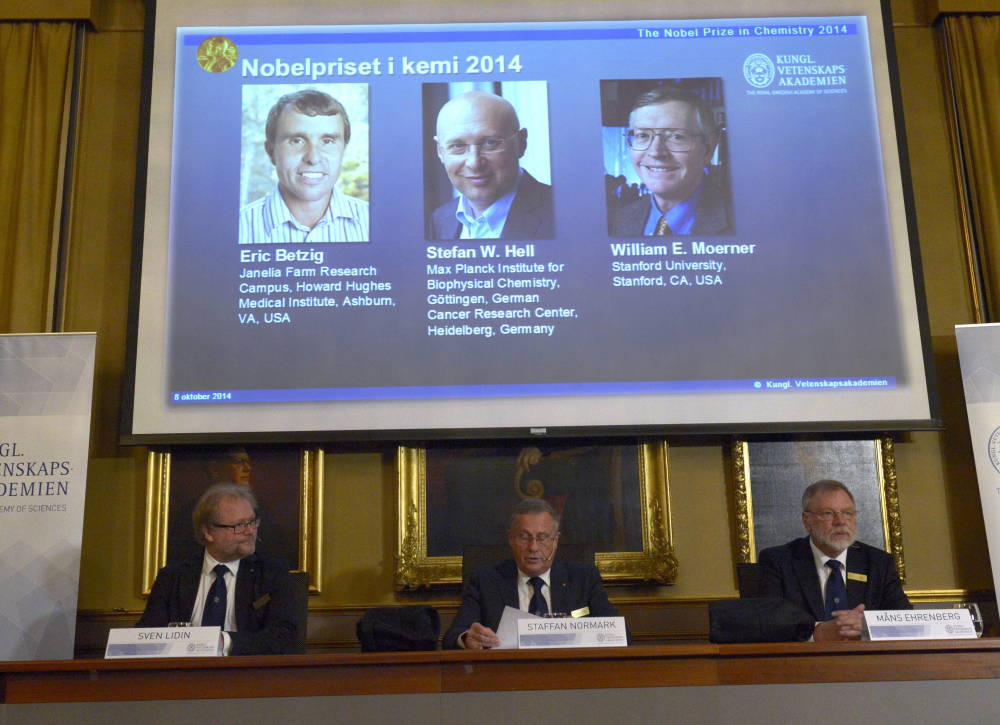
<point>857,577</point>
<point>563,633</point>
<point>581,612</point>
<point>903,624</point>
<point>262,601</point>
<point>129,643</point>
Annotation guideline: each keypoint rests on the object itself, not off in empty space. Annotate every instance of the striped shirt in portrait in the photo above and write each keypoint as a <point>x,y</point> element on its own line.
<point>268,221</point>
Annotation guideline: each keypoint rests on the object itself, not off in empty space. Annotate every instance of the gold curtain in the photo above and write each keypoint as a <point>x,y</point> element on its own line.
<point>974,64</point>
<point>36,69</point>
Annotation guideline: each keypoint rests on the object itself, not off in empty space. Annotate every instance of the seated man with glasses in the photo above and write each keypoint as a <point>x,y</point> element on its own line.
<point>228,464</point>
<point>531,582</point>
<point>229,585</point>
<point>828,573</point>
<point>671,139</point>
<point>480,142</point>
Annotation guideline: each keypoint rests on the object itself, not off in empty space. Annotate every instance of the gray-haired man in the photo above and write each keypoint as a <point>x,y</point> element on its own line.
<point>828,573</point>
<point>671,139</point>
<point>229,585</point>
<point>531,581</point>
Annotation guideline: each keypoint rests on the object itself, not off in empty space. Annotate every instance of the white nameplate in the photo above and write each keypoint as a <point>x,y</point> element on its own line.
<point>581,632</point>
<point>885,625</point>
<point>163,642</point>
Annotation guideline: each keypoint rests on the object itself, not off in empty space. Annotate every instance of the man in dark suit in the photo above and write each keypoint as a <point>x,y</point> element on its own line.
<point>829,574</point>
<point>672,138</point>
<point>480,142</point>
<point>229,585</point>
<point>531,582</point>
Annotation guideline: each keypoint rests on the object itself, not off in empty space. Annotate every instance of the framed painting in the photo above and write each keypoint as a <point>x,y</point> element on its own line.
<point>287,482</point>
<point>770,476</point>
<point>613,499</point>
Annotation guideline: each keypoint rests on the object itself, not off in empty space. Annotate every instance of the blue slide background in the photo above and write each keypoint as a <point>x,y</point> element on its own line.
<point>816,299</point>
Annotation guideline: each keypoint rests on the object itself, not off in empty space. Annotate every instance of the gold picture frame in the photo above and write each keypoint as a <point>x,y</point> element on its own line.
<point>656,563</point>
<point>881,484</point>
<point>310,524</point>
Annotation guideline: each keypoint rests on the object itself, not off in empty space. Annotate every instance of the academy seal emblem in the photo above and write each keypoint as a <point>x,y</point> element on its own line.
<point>758,70</point>
<point>994,449</point>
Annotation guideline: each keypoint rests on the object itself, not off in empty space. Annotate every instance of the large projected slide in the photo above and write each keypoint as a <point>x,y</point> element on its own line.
<point>503,226</point>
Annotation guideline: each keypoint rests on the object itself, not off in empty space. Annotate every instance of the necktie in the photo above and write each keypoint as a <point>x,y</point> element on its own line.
<point>662,228</point>
<point>537,605</point>
<point>836,591</point>
<point>214,614</point>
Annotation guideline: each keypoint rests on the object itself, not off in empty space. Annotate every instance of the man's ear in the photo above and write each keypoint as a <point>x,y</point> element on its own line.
<point>438,145</point>
<point>523,139</point>
<point>206,535</point>
<point>710,143</point>
<point>269,149</point>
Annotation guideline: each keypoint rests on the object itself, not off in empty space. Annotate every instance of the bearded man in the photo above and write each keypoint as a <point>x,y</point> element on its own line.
<point>828,573</point>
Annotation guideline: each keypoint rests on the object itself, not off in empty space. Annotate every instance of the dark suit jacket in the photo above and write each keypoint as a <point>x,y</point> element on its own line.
<point>530,215</point>
<point>712,217</point>
<point>574,585</point>
<point>268,629</point>
<point>789,572</point>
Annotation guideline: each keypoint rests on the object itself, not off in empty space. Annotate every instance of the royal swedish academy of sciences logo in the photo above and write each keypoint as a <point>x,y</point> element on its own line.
<point>217,54</point>
<point>994,449</point>
<point>758,70</point>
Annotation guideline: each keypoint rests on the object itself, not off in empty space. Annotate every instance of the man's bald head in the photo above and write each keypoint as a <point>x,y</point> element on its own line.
<point>480,141</point>
<point>478,104</point>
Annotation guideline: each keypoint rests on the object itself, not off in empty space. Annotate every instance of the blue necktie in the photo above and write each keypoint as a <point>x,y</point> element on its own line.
<point>214,614</point>
<point>537,605</point>
<point>836,591</point>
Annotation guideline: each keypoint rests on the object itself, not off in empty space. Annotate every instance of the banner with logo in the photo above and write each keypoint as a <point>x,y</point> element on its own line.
<point>46,385</point>
<point>979,355</point>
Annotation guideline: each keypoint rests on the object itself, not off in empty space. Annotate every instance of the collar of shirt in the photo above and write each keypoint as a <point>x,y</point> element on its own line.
<point>823,570</point>
<point>490,224</point>
<point>276,212</point>
<point>680,218</point>
<point>525,591</point>
<point>211,563</point>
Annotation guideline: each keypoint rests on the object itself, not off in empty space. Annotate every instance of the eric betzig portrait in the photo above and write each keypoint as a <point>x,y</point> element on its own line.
<point>304,164</point>
<point>666,157</point>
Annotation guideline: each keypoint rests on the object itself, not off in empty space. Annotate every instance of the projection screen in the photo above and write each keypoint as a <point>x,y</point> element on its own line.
<point>447,220</point>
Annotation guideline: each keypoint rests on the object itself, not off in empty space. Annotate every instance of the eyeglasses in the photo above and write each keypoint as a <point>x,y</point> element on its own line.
<point>675,139</point>
<point>486,146</point>
<point>242,527</point>
<point>826,515</point>
<point>525,539</point>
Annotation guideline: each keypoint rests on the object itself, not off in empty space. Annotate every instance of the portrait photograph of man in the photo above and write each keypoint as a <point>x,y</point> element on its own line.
<point>304,165</point>
<point>270,474</point>
<point>665,157</point>
<point>487,172</point>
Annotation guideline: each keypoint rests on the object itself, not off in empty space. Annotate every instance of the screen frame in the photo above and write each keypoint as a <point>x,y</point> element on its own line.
<point>128,438</point>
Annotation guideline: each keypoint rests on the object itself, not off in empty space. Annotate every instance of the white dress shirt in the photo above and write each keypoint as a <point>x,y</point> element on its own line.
<point>823,570</point>
<point>525,591</point>
<point>207,579</point>
<point>269,221</point>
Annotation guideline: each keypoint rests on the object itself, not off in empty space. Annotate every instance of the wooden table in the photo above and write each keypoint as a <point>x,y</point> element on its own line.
<point>703,674</point>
